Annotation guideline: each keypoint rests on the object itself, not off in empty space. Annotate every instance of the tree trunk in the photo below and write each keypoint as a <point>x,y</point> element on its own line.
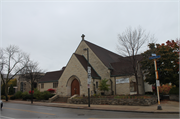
<point>31,94</point>
<point>137,88</point>
<point>6,92</point>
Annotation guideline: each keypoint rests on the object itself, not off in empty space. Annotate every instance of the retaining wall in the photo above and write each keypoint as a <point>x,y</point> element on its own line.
<point>97,101</point>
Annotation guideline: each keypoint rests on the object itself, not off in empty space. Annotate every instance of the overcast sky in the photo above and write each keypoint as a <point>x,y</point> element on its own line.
<point>50,30</point>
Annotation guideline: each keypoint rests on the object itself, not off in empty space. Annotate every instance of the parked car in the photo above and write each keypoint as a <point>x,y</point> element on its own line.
<point>1,104</point>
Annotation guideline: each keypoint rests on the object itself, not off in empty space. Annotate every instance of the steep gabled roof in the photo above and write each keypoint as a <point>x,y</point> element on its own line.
<point>52,76</point>
<point>104,55</point>
<point>121,68</point>
<point>84,63</point>
<point>119,65</point>
<point>124,66</point>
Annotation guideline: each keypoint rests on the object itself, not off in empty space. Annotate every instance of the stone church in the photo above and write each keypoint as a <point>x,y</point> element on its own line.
<point>104,65</point>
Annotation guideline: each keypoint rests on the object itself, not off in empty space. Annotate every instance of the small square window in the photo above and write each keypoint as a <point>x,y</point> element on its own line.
<point>55,85</point>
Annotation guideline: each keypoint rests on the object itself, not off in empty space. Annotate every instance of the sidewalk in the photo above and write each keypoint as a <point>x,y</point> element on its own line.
<point>171,107</point>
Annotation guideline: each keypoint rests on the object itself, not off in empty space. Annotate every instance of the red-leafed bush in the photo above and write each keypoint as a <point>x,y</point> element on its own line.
<point>164,89</point>
<point>51,90</point>
<point>31,92</point>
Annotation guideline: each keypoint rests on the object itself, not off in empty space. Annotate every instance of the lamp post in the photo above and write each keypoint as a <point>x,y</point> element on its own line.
<point>89,75</point>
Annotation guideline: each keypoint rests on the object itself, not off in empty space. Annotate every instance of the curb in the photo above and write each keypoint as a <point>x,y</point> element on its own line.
<point>92,108</point>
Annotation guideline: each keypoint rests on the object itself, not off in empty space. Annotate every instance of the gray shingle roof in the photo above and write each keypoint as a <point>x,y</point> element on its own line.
<point>104,55</point>
<point>118,64</point>
<point>52,76</point>
<point>84,63</point>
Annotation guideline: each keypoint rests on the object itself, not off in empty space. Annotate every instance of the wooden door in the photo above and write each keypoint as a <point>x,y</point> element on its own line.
<point>75,87</point>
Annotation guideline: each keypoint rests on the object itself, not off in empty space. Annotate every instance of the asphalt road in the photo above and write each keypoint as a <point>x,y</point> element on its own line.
<point>16,111</point>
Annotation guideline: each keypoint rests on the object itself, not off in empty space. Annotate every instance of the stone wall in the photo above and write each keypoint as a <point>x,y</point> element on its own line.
<point>174,97</point>
<point>134,102</point>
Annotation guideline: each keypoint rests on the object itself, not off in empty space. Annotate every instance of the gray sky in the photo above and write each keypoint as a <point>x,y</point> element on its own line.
<point>50,30</point>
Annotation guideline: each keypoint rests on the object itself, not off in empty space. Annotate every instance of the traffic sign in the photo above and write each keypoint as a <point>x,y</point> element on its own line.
<point>155,57</point>
<point>89,76</point>
<point>89,70</point>
<point>157,83</point>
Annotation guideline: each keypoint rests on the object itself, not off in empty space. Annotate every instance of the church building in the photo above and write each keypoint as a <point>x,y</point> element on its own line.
<point>104,65</point>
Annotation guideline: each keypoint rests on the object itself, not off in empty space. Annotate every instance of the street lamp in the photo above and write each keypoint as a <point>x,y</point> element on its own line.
<point>89,75</point>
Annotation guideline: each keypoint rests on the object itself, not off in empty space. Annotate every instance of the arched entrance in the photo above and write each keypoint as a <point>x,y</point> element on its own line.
<point>75,87</point>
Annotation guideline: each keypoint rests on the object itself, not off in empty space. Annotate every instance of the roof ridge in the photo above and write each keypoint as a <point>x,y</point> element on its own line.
<point>53,71</point>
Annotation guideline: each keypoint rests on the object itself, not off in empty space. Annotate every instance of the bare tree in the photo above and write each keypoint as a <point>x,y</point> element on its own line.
<point>32,73</point>
<point>12,61</point>
<point>129,44</point>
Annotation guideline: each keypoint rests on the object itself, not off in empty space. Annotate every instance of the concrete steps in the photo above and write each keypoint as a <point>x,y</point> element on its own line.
<point>61,100</point>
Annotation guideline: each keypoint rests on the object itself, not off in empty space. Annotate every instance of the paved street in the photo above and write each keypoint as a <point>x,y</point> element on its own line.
<point>15,111</point>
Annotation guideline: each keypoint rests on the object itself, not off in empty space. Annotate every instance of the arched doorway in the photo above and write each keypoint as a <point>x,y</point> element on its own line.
<point>75,87</point>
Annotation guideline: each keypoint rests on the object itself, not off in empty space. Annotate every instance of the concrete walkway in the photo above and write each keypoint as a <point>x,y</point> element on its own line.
<point>171,107</point>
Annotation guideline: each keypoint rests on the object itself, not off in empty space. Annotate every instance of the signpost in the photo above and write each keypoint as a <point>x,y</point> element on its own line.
<point>157,81</point>
<point>89,77</point>
<point>88,73</point>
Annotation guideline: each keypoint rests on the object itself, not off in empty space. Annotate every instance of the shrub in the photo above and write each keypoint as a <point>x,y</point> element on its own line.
<point>13,97</point>
<point>37,94</point>
<point>18,95</point>
<point>31,92</point>
<point>11,90</point>
<point>25,95</point>
<point>174,90</point>
<point>3,97</point>
<point>46,95</point>
<point>164,89</point>
<point>51,90</point>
